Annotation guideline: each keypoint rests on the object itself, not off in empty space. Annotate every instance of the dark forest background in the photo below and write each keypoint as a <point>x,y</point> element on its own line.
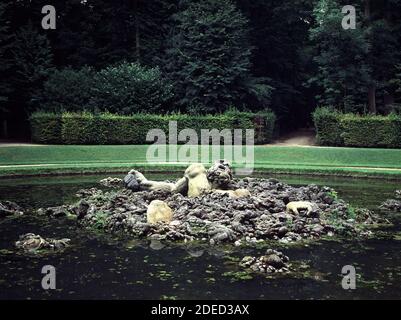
<point>203,56</point>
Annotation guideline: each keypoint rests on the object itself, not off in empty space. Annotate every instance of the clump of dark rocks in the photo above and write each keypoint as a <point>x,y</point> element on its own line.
<point>393,204</point>
<point>271,262</point>
<point>31,242</point>
<point>111,182</point>
<point>55,212</point>
<point>9,208</point>
<point>220,175</point>
<point>216,217</point>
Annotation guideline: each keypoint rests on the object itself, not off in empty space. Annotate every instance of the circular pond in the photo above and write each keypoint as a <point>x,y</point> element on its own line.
<point>99,266</point>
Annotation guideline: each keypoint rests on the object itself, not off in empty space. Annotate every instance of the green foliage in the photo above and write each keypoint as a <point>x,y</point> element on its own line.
<point>68,89</point>
<point>351,212</point>
<point>281,52</point>
<point>396,83</point>
<point>46,127</point>
<point>327,126</point>
<point>128,88</point>
<point>153,24</point>
<point>33,63</point>
<point>333,194</point>
<point>334,128</point>
<point>285,54</point>
<point>383,56</point>
<point>100,220</point>
<point>107,128</point>
<point>343,73</point>
<point>208,57</point>
<point>235,276</point>
<point>81,128</point>
<point>5,45</point>
<point>371,131</point>
<point>264,124</point>
<point>124,89</point>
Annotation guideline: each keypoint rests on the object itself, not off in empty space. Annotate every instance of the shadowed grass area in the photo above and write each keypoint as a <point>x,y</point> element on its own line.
<point>31,160</point>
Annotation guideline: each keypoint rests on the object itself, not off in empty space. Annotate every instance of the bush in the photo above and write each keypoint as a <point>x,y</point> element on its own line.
<point>371,131</point>
<point>107,128</point>
<point>125,89</point>
<point>129,88</point>
<point>68,90</point>
<point>46,127</point>
<point>328,127</point>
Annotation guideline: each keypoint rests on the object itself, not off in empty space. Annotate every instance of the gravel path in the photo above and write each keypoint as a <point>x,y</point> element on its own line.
<point>301,137</point>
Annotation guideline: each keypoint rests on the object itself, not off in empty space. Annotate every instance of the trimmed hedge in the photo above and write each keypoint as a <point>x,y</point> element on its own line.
<point>46,127</point>
<point>371,131</point>
<point>328,127</point>
<point>336,129</point>
<point>106,128</point>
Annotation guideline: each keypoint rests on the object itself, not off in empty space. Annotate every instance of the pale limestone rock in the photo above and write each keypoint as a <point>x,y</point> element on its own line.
<point>239,193</point>
<point>158,211</point>
<point>294,206</point>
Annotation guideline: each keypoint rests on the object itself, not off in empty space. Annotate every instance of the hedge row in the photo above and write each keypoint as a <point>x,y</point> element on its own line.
<point>46,127</point>
<point>337,129</point>
<point>327,126</point>
<point>88,128</point>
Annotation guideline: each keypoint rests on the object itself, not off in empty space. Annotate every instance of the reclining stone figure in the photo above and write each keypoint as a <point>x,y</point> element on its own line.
<point>196,181</point>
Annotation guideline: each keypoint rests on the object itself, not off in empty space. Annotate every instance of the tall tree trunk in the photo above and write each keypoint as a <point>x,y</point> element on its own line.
<point>372,99</point>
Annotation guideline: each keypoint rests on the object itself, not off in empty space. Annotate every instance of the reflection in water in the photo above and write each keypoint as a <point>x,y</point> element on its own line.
<point>195,252</point>
<point>156,244</point>
<point>99,266</point>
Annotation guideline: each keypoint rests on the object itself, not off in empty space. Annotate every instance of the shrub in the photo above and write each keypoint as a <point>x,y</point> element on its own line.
<point>328,126</point>
<point>68,90</point>
<point>371,131</point>
<point>107,128</point>
<point>46,127</point>
<point>129,88</point>
<point>125,89</point>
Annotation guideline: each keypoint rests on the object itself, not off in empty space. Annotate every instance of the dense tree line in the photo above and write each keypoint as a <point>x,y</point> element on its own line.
<point>200,56</point>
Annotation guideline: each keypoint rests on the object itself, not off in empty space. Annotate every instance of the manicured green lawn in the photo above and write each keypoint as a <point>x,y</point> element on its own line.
<point>312,160</point>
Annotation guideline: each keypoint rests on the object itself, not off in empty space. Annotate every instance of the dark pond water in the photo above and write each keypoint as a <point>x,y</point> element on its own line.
<point>103,267</point>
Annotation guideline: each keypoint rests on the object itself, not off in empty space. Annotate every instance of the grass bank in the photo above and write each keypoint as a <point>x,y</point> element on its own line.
<point>41,160</point>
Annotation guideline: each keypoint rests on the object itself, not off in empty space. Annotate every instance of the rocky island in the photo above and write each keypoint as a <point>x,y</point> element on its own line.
<point>211,206</point>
